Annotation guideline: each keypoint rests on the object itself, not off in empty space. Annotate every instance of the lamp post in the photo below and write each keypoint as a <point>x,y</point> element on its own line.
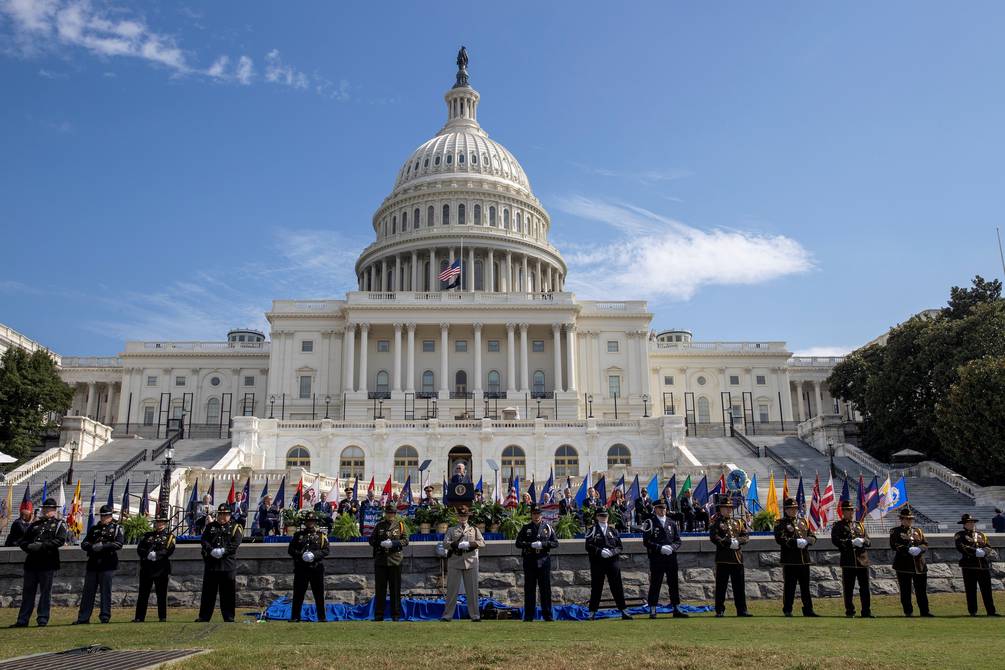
<point>164,499</point>
<point>73,455</point>
<point>328,401</point>
<point>645,404</point>
<point>539,408</point>
<point>830,454</point>
<point>380,409</point>
<point>272,406</point>
<point>434,409</point>
<point>589,405</point>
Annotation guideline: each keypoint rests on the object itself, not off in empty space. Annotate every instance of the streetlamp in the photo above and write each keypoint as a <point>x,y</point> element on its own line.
<point>645,404</point>
<point>328,401</point>
<point>539,408</point>
<point>164,499</point>
<point>434,408</point>
<point>272,406</point>
<point>589,404</point>
<point>380,408</point>
<point>73,455</point>
<point>830,454</point>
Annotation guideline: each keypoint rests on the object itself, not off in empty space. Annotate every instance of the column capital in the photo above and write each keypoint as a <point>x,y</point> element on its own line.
<point>444,326</point>
<point>398,326</point>
<point>350,326</point>
<point>235,371</point>
<point>510,327</point>
<point>477,326</point>
<point>556,327</point>
<point>364,326</point>
<point>524,327</point>
<point>411,326</point>
<point>570,327</point>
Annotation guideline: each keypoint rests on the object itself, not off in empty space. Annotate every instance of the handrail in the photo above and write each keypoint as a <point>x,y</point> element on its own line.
<point>170,442</point>
<point>34,466</point>
<point>786,466</point>
<point>862,458</point>
<point>127,466</point>
<point>745,441</point>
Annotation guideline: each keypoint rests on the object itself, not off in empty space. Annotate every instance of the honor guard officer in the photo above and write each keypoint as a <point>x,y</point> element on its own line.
<point>852,540</point>
<point>975,560</point>
<point>102,544</point>
<point>462,542</point>
<point>603,546</point>
<point>154,549</point>
<point>909,546</point>
<point>309,547</point>
<point>41,542</point>
<point>793,535</point>
<point>729,535</point>
<point>389,537</point>
<point>535,541</point>
<point>661,537</point>
<point>220,541</point>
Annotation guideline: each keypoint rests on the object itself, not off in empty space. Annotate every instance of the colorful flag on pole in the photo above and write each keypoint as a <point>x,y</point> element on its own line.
<point>74,522</point>
<point>884,500</point>
<point>26,503</point>
<point>61,500</point>
<point>125,499</point>
<point>373,485</point>
<point>620,486</point>
<point>653,487</point>
<point>406,491</point>
<point>771,504</point>
<point>532,491</point>
<point>583,488</point>
<point>45,490</point>
<point>814,515</point>
<point>355,488</point>
<point>785,487</point>
<point>8,504</point>
<point>280,500</point>
<point>601,487</point>
<point>478,486</point>
<point>801,497</point>
<point>145,498</point>
<point>385,495</point>
<point>549,486</point>
<point>264,492</point>
<point>753,502</point>
<point>232,493</point>
<point>686,486</point>
<point>298,496</point>
<point>861,510</point>
<point>898,495</point>
<point>845,493</point>
<point>90,511</point>
<point>111,495</point>
<point>700,491</point>
<point>212,491</point>
<point>451,272</point>
<point>872,496</point>
<point>827,504</point>
<point>672,485</point>
<point>634,493</point>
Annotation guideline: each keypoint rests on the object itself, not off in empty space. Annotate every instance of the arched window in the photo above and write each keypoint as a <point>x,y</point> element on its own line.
<point>461,212</point>
<point>566,462</point>
<point>479,276</point>
<point>446,215</point>
<point>474,159</point>
<point>618,454</point>
<point>415,218</point>
<point>406,463</point>
<point>382,377</point>
<point>538,381</point>
<point>430,215</point>
<point>394,224</point>
<point>436,160</point>
<point>492,216</point>
<point>493,381</point>
<point>519,222</point>
<point>427,381</point>
<point>460,158</point>
<point>404,221</point>
<point>351,463</point>
<point>514,462</point>
<point>478,215</point>
<point>213,410</point>
<point>450,159</point>
<point>298,457</point>
<point>704,413</point>
<point>506,219</point>
<point>461,381</point>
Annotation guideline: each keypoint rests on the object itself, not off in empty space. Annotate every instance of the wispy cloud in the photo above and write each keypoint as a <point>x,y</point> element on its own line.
<point>644,176</point>
<point>824,351</point>
<point>278,72</point>
<point>659,257</point>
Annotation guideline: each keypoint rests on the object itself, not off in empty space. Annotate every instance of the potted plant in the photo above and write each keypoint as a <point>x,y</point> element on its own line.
<point>493,514</point>
<point>445,517</point>
<point>512,524</point>
<point>345,527</point>
<point>135,527</point>
<point>478,517</point>
<point>424,517</point>
<point>764,521</point>
<point>567,527</point>
<point>291,519</point>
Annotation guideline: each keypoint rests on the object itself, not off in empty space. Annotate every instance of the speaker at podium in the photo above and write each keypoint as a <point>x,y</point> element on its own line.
<point>460,493</point>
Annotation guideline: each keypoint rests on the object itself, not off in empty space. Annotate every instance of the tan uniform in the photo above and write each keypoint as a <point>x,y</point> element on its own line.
<point>462,565</point>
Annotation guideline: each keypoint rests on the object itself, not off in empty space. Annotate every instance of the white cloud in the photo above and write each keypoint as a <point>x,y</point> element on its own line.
<point>245,70</point>
<point>824,351</point>
<point>219,67</point>
<point>278,72</point>
<point>660,257</point>
<point>645,176</point>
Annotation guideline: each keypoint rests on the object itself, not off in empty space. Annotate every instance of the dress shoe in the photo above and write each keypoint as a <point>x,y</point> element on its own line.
<point>139,620</point>
<point>850,614</point>
<point>80,623</point>
<point>993,614</point>
<point>652,612</point>
<point>378,618</point>
<point>928,615</point>
<point>868,615</point>
<point>164,620</point>
<point>788,614</point>
<point>744,614</point>
<point>719,615</point>
<point>810,614</point>
<point>228,621</point>
<point>549,619</point>
<point>444,619</point>
<point>201,621</point>
<point>625,616</point>
<point>18,624</point>
<point>680,615</point>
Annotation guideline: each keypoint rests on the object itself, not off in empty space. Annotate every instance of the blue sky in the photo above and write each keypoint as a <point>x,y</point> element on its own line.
<point>808,172</point>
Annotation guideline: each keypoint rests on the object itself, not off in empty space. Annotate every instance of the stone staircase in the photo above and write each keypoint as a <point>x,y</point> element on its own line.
<point>943,504</point>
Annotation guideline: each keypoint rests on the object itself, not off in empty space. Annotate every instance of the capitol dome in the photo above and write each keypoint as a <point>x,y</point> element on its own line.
<point>461,196</point>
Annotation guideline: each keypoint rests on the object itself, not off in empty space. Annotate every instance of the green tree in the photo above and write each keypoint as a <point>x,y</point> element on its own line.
<point>971,420</point>
<point>30,388</point>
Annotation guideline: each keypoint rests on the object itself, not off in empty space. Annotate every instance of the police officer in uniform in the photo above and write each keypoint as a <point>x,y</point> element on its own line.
<point>852,540</point>
<point>347,505</point>
<point>309,547</point>
<point>154,549</point>
<point>661,537</point>
<point>41,542</point>
<point>794,536</point>
<point>975,560</point>
<point>102,544</point>
<point>909,546</point>
<point>388,539</point>
<point>462,542</point>
<point>220,541</point>
<point>729,535</point>
<point>603,546</point>
<point>535,541</point>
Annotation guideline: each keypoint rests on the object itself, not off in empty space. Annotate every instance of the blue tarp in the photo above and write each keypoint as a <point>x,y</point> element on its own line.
<point>414,609</point>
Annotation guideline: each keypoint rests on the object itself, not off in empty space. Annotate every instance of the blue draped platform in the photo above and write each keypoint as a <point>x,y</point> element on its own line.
<point>414,609</point>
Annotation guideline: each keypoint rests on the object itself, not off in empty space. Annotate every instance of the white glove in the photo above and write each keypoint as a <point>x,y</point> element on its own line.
<point>308,556</point>
<point>666,550</point>
<point>734,544</point>
<point>217,553</point>
<point>536,544</point>
<point>463,545</point>
<point>152,556</point>
<point>606,553</point>
<point>981,553</point>
<point>914,551</point>
<point>386,544</point>
<point>801,542</point>
<point>858,542</point>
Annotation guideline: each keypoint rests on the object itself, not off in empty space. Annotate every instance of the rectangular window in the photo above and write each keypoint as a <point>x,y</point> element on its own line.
<point>537,346</point>
<point>307,346</point>
<point>460,346</point>
<point>179,381</point>
<point>737,413</point>
<point>493,345</point>
<point>148,416</point>
<point>734,380</point>
<point>760,380</point>
<point>383,346</point>
<point>429,345</point>
<point>668,380</point>
<point>152,380</point>
<point>762,412</point>
<point>612,346</point>
<point>305,386</point>
<point>249,381</point>
<point>614,386</point>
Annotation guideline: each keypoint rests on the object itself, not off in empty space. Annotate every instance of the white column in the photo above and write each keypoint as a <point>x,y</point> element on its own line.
<point>477,386</point>
<point>509,272</point>
<point>471,269</point>
<point>538,279</point>
<point>383,276</point>
<point>414,284</point>
<point>817,396</point>
<point>364,337</point>
<point>92,398</point>
<point>524,364</point>
<point>397,272</point>
<point>433,270</point>
<point>397,358</point>
<point>491,273</point>
<point>787,397</point>
<point>410,380</point>
<point>510,358</point>
<point>525,283</point>
<point>630,388</point>
<point>556,334</point>
<point>110,406</point>
<point>570,343</point>
<point>646,378</point>
<point>444,367</point>
<point>349,348</point>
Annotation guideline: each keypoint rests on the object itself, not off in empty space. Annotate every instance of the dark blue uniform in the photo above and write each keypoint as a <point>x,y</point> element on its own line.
<point>154,573</point>
<point>656,535</point>
<point>41,543</point>
<point>602,568</point>
<point>220,573</point>
<point>536,567</point>
<point>102,544</point>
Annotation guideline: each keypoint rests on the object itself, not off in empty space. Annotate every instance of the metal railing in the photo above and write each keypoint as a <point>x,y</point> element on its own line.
<point>127,466</point>
<point>784,464</point>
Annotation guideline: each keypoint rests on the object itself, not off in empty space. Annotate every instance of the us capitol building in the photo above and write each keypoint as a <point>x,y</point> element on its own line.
<point>507,366</point>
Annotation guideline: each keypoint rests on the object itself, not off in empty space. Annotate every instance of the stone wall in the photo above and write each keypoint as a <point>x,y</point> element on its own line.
<point>265,572</point>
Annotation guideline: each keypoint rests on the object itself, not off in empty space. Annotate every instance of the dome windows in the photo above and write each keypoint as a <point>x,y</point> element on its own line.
<point>460,159</point>
<point>506,219</point>
<point>430,215</point>
<point>404,221</point>
<point>492,216</point>
<point>415,218</point>
<point>519,222</point>
<point>446,215</point>
<point>478,214</point>
<point>425,163</point>
<point>461,212</point>
<point>474,159</point>
<point>394,225</point>
<point>450,159</point>
<point>436,160</point>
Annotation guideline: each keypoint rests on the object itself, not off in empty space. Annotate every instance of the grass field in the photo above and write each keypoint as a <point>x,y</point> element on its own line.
<point>768,641</point>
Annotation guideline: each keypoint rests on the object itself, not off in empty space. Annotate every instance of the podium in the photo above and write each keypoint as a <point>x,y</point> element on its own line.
<point>459,493</point>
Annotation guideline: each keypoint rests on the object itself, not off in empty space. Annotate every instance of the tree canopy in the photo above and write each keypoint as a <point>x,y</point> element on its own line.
<point>30,389</point>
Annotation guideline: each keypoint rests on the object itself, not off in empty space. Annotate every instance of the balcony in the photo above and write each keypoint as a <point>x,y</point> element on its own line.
<point>725,347</point>
<point>92,362</point>
<point>815,361</point>
<point>195,346</point>
<point>457,298</point>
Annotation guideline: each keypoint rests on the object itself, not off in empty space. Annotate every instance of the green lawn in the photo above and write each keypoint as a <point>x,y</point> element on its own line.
<point>772,642</point>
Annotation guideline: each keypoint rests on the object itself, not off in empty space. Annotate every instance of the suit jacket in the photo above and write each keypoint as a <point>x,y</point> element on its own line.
<point>597,541</point>
<point>655,535</point>
<point>902,539</point>
<point>162,544</point>
<point>567,506</point>
<point>722,532</point>
<point>787,533</point>
<point>102,544</point>
<point>842,533</point>
<point>967,543</point>
<point>461,559</point>
<point>643,509</point>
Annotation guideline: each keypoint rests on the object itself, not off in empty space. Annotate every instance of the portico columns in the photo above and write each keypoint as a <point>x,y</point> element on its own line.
<point>92,398</point>
<point>525,283</point>
<point>509,273</point>
<point>538,285</point>
<point>349,347</point>
<point>490,282</point>
<point>364,334</point>
<point>410,380</point>
<point>414,272</point>
<point>570,344</point>
<point>524,367</point>
<point>397,359</point>
<point>444,368</point>
<point>819,398</point>
<point>477,386</point>
<point>471,269</point>
<point>383,279</point>
<point>510,358</point>
<point>432,270</point>
<point>556,334</point>
<point>110,405</point>
<point>397,274</point>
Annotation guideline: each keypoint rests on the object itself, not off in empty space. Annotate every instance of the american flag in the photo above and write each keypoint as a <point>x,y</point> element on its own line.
<point>827,504</point>
<point>451,272</point>
<point>814,519</point>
